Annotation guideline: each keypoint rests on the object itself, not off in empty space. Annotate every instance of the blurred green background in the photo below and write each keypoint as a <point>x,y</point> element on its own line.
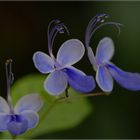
<point>23,27</point>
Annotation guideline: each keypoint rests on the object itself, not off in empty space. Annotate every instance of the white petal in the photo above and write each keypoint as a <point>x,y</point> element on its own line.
<point>104,79</point>
<point>70,52</point>
<point>32,118</point>
<point>105,50</point>
<point>56,83</point>
<point>92,58</point>
<point>4,119</point>
<point>4,108</point>
<point>43,62</point>
<point>29,102</point>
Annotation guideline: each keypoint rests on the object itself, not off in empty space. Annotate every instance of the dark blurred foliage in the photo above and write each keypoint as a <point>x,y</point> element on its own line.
<point>23,30</point>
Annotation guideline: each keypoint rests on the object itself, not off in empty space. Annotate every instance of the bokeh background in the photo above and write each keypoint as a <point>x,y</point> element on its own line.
<point>23,30</point>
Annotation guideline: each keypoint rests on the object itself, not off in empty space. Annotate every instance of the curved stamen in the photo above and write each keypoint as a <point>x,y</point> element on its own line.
<point>9,80</point>
<point>99,18</point>
<point>51,30</point>
<point>54,27</point>
<point>92,28</point>
<point>50,33</point>
<point>117,25</point>
<point>60,28</point>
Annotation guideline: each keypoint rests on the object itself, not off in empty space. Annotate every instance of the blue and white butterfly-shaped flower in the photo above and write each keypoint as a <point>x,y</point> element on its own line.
<point>105,69</point>
<point>60,68</point>
<point>23,116</point>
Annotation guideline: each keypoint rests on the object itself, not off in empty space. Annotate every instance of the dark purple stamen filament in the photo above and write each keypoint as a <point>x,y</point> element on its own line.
<point>93,27</point>
<point>54,27</point>
<point>93,22</point>
<point>9,80</point>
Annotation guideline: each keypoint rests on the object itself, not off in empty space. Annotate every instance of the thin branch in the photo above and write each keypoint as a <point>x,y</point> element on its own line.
<point>82,95</point>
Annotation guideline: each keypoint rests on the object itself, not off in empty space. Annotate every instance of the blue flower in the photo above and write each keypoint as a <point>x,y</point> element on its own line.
<point>106,71</point>
<point>60,68</point>
<point>23,116</point>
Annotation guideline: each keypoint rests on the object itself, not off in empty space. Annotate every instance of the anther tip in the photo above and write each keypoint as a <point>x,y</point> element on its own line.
<point>57,21</point>
<point>101,17</point>
<point>8,61</point>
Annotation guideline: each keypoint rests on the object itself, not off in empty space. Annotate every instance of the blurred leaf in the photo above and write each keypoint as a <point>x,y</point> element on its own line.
<point>64,114</point>
<point>30,84</point>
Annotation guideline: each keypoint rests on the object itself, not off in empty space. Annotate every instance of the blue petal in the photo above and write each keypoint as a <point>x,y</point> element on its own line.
<point>56,83</point>
<point>105,50</point>
<point>4,108</point>
<point>32,118</point>
<point>104,79</point>
<point>29,102</point>
<point>43,62</point>
<point>79,81</point>
<point>128,80</point>
<point>4,119</point>
<point>70,52</point>
<point>17,128</point>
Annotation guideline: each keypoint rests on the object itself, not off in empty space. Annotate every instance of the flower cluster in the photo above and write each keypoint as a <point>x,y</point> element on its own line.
<point>62,75</point>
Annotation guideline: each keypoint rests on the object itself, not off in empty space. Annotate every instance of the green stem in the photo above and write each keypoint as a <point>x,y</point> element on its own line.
<point>94,94</point>
<point>67,92</point>
<point>85,95</point>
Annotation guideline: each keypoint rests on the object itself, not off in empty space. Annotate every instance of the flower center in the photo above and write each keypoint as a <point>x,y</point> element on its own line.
<point>15,118</point>
<point>58,66</point>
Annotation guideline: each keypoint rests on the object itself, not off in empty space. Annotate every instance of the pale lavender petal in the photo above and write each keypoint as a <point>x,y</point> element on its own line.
<point>56,83</point>
<point>104,79</point>
<point>4,108</point>
<point>128,80</point>
<point>92,58</point>
<point>79,81</point>
<point>4,119</point>
<point>105,50</point>
<point>17,128</point>
<point>29,102</point>
<point>43,62</point>
<point>32,118</point>
<point>70,52</point>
